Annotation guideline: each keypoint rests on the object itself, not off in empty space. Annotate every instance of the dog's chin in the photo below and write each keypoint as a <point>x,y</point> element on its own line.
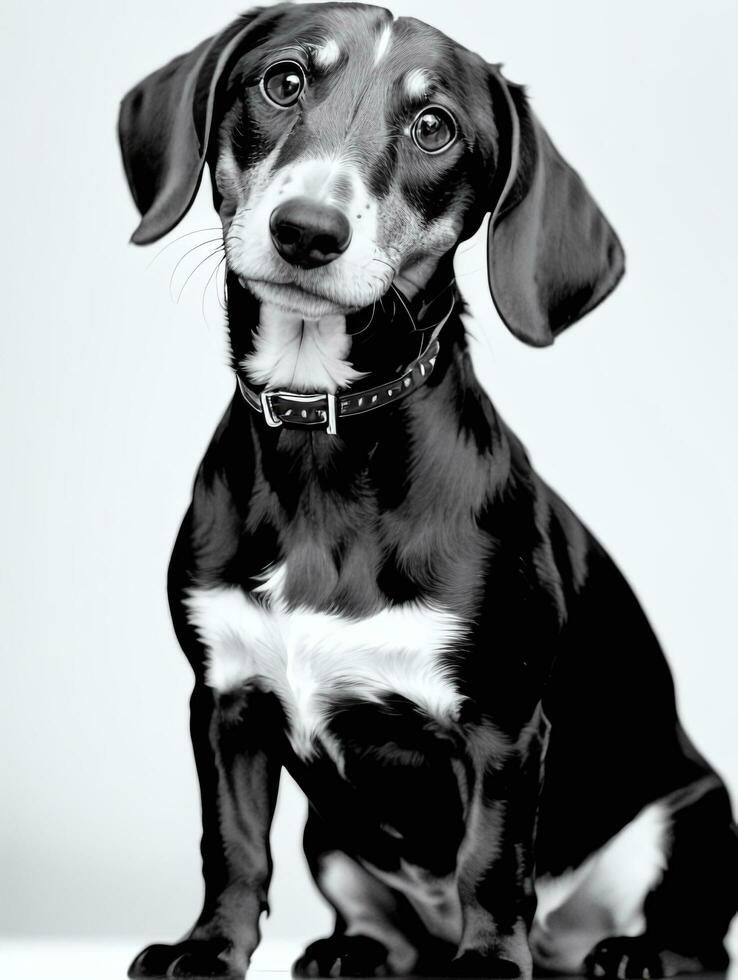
<point>292,299</point>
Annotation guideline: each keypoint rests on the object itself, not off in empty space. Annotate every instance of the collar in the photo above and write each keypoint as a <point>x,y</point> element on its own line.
<point>323,410</point>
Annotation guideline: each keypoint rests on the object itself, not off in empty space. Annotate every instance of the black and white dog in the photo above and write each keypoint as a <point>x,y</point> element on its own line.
<point>373,587</point>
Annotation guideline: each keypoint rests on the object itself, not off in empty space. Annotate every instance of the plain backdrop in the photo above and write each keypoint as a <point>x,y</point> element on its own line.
<point>110,391</point>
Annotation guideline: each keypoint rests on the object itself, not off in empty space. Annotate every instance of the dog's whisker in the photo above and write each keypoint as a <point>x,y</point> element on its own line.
<point>218,291</point>
<point>189,251</point>
<point>222,292</point>
<point>174,241</point>
<point>371,318</point>
<point>199,264</point>
<point>230,241</point>
<point>210,278</point>
<point>452,282</point>
<point>384,262</point>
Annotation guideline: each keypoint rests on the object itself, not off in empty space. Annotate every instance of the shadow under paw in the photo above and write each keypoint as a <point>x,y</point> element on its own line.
<point>471,964</point>
<point>194,959</point>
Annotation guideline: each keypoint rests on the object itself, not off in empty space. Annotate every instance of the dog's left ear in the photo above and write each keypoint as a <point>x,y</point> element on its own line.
<point>552,256</point>
<point>165,124</point>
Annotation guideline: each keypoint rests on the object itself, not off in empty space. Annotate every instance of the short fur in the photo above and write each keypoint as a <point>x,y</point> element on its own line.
<point>403,615</point>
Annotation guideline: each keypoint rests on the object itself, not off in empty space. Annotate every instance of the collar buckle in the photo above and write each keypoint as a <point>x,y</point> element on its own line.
<point>330,413</point>
<point>266,407</point>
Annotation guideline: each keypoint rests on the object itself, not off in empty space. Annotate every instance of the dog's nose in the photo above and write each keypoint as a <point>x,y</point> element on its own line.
<point>309,234</point>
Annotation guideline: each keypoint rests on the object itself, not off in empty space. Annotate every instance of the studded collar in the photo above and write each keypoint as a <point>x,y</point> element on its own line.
<point>325,410</point>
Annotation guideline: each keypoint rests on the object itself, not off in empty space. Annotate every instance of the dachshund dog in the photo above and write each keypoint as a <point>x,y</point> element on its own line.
<point>373,587</point>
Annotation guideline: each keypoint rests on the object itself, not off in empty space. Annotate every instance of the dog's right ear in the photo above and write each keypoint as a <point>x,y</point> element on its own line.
<point>165,124</point>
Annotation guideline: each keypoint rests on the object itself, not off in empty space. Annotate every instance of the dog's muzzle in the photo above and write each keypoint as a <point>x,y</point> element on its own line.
<point>307,234</point>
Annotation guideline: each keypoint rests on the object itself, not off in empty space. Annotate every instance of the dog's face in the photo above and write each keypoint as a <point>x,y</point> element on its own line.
<point>350,151</point>
<point>351,154</point>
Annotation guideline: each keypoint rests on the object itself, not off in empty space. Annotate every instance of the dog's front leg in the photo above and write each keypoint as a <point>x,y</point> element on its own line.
<point>495,862</point>
<point>236,740</point>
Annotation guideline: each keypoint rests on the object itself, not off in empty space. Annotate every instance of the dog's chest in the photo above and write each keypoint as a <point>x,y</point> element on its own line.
<point>313,660</point>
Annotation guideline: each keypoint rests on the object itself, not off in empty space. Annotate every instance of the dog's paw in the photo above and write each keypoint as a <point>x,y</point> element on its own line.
<point>473,964</point>
<point>625,957</point>
<point>343,956</point>
<point>193,959</point>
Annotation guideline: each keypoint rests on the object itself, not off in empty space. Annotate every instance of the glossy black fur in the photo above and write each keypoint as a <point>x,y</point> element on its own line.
<point>556,625</point>
<point>568,726</point>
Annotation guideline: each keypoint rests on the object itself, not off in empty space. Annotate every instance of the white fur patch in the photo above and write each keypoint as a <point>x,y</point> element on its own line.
<point>417,83</point>
<point>309,658</point>
<point>367,906</point>
<point>327,54</point>
<point>383,44</point>
<point>604,896</point>
<point>300,355</point>
<point>436,900</point>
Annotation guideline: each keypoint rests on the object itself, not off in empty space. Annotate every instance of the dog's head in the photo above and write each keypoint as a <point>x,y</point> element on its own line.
<point>350,151</point>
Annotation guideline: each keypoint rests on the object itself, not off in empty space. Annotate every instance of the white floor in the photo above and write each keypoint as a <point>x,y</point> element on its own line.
<point>78,959</point>
<point>55,959</point>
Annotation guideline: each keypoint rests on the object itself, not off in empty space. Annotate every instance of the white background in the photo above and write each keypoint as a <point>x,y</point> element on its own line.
<point>110,392</point>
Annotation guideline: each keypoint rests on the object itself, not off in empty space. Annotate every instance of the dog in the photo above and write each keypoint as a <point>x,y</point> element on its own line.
<point>373,587</point>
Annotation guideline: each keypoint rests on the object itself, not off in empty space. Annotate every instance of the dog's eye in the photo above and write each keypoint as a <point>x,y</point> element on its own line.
<point>283,83</point>
<point>434,129</point>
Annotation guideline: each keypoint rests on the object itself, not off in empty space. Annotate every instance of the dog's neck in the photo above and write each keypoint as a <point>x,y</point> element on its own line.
<point>443,429</point>
<point>276,349</point>
<point>299,354</point>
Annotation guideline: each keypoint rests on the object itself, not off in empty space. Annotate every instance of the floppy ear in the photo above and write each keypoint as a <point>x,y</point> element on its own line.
<point>165,124</point>
<point>552,256</point>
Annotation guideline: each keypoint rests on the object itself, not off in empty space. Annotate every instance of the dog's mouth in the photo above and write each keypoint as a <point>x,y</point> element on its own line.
<point>293,298</point>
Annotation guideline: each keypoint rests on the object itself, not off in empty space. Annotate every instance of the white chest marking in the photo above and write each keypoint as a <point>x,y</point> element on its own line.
<point>298,354</point>
<point>309,658</point>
